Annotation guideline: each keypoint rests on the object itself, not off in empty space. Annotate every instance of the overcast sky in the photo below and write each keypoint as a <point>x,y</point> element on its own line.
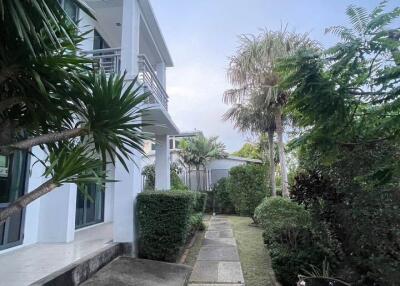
<point>202,34</point>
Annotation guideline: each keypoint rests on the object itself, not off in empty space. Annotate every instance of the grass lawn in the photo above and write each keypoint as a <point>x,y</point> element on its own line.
<point>255,260</point>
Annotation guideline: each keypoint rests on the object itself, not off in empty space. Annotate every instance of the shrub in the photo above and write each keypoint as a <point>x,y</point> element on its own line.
<point>223,202</point>
<point>164,221</point>
<point>200,200</point>
<point>289,238</point>
<point>247,188</point>
<point>364,224</point>
<point>196,222</point>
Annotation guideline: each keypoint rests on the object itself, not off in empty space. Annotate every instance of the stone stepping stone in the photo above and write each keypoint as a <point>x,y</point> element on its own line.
<point>218,253</point>
<point>217,272</point>
<point>225,233</point>
<point>128,271</point>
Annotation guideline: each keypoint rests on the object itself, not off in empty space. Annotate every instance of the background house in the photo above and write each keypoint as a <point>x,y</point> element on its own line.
<point>205,178</point>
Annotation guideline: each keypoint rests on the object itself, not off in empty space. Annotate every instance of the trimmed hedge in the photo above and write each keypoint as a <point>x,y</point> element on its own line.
<point>164,223</point>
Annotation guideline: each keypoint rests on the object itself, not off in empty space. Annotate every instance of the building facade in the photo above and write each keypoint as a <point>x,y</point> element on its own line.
<point>125,37</point>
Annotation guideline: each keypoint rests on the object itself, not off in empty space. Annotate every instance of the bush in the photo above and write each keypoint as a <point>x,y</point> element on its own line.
<point>247,188</point>
<point>364,223</point>
<point>289,238</point>
<point>164,221</point>
<point>196,222</point>
<point>200,200</point>
<point>223,202</point>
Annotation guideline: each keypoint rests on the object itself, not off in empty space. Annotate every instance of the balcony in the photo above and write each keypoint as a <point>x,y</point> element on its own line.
<point>109,60</point>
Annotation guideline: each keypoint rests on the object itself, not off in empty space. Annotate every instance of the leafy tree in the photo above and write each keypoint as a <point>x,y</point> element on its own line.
<point>346,100</point>
<point>198,151</point>
<point>257,87</point>
<point>249,150</point>
<point>51,98</point>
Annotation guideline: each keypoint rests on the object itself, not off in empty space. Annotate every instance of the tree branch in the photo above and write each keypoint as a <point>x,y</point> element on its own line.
<point>23,201</point>
<point>10,102</point>
<point>45,139</point>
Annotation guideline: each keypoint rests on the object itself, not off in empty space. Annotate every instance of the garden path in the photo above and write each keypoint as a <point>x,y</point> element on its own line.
<point>218,261</point>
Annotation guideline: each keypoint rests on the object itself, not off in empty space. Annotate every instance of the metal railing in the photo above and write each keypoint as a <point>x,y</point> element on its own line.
<point>150,82</point>
<point>108,60</point>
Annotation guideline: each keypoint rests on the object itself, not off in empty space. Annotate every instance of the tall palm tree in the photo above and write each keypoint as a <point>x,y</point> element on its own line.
<point>198,151</point>
<point>253,116</point>
<point>252,73</point>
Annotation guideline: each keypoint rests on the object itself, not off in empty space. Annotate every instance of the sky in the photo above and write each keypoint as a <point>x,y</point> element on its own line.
<point>201,36</point>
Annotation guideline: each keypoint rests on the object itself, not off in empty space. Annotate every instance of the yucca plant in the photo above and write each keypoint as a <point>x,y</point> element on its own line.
<point>50,97</point>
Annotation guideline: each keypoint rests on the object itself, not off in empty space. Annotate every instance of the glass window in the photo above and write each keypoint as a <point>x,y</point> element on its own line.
<point>99,42</point>
<point>171,143</point>
<point>70,9</point>
<point>13,170</point>
<point>89,205</point>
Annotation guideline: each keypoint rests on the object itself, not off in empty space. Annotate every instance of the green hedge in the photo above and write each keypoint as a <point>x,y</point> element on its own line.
<point>164,222</point>
<point>223,202</point>
<point>247,188</point>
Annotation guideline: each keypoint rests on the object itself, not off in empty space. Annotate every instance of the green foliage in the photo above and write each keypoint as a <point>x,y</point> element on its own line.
<point>249,150</point>
<point>196,222</point>
<point>150,177</point>
<point>164,222</point>
<point>346,102</point>
<point>223,202</point>
<point>200,200</point>
<point>289,237</point>
<point>246,186</point>
<point>197,151</point>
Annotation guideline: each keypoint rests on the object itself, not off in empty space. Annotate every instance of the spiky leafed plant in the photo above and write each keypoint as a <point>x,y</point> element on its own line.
<point>252,73</point>
<point>50,97</point>
<point>198,151</point>
<point>254,116</point>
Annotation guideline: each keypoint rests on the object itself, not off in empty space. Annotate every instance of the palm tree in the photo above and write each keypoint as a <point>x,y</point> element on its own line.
<point>50,97</point>
<point>198,151</point>
<point>253,116</point>
<point>252,73</point>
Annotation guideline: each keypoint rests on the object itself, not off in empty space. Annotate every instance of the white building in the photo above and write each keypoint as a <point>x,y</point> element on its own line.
<point>124,37</point>
<point>206,177</point>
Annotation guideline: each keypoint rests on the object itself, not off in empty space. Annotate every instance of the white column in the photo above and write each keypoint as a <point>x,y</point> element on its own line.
<point>130,37</point>
<point>161,72</point>
<point>163,180</point>
<point>57,215</point>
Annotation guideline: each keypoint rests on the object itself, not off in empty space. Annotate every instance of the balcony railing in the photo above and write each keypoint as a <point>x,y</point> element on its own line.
<point>109,60</point>
<point>149,79</point>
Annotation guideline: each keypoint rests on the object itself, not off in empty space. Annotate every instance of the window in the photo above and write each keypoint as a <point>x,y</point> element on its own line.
<point>13,171</point>
<point>89,205</point>
<point>99,42</point>
<point>171,143</point>
<point>70,9</point>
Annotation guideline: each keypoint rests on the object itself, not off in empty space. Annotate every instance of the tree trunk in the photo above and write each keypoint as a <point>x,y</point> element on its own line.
<point>189,179</point>
<point>44,139</point>
<point>272,162</point>
<point>26,199</point>
<point>198,177</point>
<point>282,157</point>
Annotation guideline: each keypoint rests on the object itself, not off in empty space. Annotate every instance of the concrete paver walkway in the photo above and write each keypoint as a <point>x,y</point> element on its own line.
<point>218,261</point>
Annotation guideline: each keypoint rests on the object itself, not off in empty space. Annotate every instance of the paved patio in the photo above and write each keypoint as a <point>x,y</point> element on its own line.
<point>218,261</point>
<point>28,264</point>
